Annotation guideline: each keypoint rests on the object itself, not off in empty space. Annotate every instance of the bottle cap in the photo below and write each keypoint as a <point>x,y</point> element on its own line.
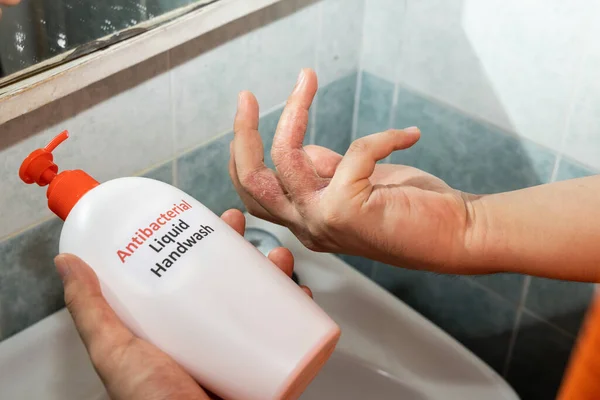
<point>66,188</point>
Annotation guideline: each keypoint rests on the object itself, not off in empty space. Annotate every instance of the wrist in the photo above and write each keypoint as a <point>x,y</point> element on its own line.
<point>475,250</point>
<point>483,238</point>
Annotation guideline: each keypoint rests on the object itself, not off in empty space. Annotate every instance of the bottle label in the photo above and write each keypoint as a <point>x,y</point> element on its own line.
<point>166,239</point>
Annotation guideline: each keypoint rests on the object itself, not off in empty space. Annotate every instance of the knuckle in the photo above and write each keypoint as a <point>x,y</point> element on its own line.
<point>249,179</point>
<point>390,133</point>
<point>309,239</point>
<point>358,146</point>
<point>311,245</point>
<point>278,150</point>
<point>332,217</point>
<point>72,302</point>
<point>104,356</point>
<point>98,354</point>
<point>318,232</point>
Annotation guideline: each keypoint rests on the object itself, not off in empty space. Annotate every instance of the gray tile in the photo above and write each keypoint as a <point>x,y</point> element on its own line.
<point>204,174</point>
<point>509,286</point>
<point>206,83</point>
<point>339,44</point>
<point>119,127</point>
<point>568,169</point>
<point>335,113</point>
<point>467,154</point>
<point>30,288</point>
<point>267,127</point>
<point>560,302</point>
<point>582,138</point>
<point>539,359</point>
<point>494,62</point>
<point>382,37</point>
<point>163,173</point>
<point>262,52</point>
<point>283,44</point>
<point>481,321</point>
<point>361,264</point>
<point>375,105</point>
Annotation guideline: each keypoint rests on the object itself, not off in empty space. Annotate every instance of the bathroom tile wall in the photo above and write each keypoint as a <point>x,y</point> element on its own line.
<point>524,66</point>
<point>496,316</point>
<point>170,119</point>
<point>497,113</point>
<point>530,68</point>
<point>505,94</point>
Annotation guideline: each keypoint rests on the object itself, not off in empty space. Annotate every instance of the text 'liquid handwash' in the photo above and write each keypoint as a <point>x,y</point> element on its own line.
<point>181,278</point>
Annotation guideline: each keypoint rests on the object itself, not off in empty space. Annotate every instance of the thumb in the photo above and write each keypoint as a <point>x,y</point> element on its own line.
<point>361,158</point>
<point>100,328</point>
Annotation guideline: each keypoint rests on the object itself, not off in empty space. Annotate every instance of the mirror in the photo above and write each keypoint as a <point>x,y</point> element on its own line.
<point>38,34</point>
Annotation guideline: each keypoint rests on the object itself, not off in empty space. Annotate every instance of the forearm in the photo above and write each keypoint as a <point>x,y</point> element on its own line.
<point>549,230</point>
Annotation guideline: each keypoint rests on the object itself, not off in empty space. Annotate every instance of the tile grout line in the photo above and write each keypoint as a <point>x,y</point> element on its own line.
<point>356,106</point>
<point>315,105</point>
<point>392,116</point>
<point>140,172</point>
<point>29,227</point>
<point>506,132</point>
<point>374,268</point>
<point>219,135</point>
<point>202,144</point>
<point>396,93</point>
<point>475,282</point>
<point>273,108</point>
<point>174,172</point>
<point>501,130</point>
<point>552,325</point>
<point>575,90</point>
<point>515,330</point>
<point>359,73</point>
<point>525,309</point>
<point>557,162</point>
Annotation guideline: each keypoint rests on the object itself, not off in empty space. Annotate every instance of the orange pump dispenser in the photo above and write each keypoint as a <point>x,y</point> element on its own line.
<point>66,188</point>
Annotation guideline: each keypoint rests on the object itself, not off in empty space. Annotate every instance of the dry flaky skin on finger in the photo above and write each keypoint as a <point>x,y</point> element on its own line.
<point>294,167</point>
<point>346,204</point>
<point>256,181</point>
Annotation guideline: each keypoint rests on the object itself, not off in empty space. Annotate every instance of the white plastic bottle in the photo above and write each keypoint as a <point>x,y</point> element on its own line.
<point>181,278</point>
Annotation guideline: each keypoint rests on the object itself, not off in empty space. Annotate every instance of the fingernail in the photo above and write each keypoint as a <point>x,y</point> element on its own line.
<point>412,130</point>
<point>239,102</point>
<point>300,81</point>
<point>62,266</point>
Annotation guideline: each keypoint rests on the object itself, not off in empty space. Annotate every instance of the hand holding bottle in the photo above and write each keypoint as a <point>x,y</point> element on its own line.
<point>130,367</point>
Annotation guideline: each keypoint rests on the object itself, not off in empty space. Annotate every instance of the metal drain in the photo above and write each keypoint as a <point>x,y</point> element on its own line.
<point>262,240</point>
<point>265,242</point>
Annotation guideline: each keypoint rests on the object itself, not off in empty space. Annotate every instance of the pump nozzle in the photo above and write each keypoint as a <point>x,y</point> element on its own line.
<point>65,188</point>
<point>39,166</point>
